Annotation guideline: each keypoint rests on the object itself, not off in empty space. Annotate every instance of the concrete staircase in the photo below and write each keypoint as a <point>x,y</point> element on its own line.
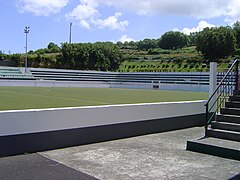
<point>223,134</point>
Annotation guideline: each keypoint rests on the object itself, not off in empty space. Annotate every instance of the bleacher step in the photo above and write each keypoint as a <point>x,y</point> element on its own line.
<point>225,126</point>
<point>223,134</point>
<point>236,92</point>
<point>234,98</point>
<point>233,104</point>
<point>215,146</point>
<point>228,118</point>
<point>231,111</point>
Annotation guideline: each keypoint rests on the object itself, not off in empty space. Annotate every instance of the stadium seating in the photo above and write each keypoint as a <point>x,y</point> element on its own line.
<point>184,78</point>
<point>13,73</point>
<point>113,77</point>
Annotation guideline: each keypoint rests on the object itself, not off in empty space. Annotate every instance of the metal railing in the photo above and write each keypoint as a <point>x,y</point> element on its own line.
<point>225,88</point>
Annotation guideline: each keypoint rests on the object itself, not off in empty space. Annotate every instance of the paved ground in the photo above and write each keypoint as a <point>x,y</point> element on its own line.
<point>156,156</point>
<point>37,167</point>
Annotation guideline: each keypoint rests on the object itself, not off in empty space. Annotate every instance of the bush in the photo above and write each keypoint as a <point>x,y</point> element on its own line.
<point>237,52</point>
<point>192,65</point>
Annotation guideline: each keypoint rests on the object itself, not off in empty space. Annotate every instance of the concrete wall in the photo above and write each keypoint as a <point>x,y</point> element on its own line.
<point>163,86</point>
<point>39,120</point>
<point>92,84</point>
<point>48,83</point>
<point>26,131</point>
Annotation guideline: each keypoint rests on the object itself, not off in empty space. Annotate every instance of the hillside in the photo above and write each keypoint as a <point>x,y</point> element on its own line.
<point>159,60</point>
<point>131,60</point>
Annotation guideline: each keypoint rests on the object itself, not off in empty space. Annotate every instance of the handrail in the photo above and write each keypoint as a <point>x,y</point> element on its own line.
<point>228,80</point>
<point>227,73</point>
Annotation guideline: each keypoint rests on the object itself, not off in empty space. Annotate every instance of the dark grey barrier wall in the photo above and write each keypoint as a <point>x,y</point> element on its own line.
<point>40,140</point>
<point>34,142</point>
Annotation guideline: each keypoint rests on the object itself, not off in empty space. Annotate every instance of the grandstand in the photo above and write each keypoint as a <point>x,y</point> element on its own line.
<point>168,81</point>
<point>113,77</point>
<point>13,73</point>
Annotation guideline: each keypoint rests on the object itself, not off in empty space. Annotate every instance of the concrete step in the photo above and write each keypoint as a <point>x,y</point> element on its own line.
<point>234,98</point>
<point>236,92</point>
<point>231,111</point>
<point>225,126</point>
<point>216,147</point>
<point>228,118</point>
<point>223,134</point>
<point>232,104</point>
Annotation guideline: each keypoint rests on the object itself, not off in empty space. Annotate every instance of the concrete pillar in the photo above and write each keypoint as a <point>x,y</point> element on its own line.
<point>213,82</point>
<point>212,78</point>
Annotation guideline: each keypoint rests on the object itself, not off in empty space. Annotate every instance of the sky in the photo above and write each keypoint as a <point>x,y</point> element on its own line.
<point>106,20</point>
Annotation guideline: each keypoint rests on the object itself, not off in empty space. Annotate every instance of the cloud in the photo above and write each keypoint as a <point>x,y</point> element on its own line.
<point>124,38</point>
<point>85,24</point>
<point>200,27</point>
<point>84,13</point>
<point>112,22</point>
<point>41,7</point>
<point>88,16</point>
<point>233,12</point>
<point>201,9</point>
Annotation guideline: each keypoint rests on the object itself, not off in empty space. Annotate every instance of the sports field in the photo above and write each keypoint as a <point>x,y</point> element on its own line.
<point>13,98</point>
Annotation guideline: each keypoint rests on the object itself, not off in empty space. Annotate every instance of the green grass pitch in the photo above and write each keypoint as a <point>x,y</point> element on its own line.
<point>14,98</point>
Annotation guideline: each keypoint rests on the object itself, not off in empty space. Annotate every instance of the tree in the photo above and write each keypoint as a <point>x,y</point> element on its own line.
<point>147,44</point>
<point>53,48</point>
<point>215,43</point>
<point>15,58</point>
<point>236,28</point>
<point>40,51</point>
<point>192,38</point>
<point>97,56</point>
<point>173,40</point>
<point>119,44</point>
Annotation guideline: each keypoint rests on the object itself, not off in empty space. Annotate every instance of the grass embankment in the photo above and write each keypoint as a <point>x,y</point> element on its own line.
<point>13,98</point>
<point>158,60</point>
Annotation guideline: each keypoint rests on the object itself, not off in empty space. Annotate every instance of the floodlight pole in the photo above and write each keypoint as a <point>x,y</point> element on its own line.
<point>70,33</point>
<point>26,31</point>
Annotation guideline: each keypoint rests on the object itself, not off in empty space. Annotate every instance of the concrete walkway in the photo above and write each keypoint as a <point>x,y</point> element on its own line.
<point>156,156</point>
<point>37,167</point>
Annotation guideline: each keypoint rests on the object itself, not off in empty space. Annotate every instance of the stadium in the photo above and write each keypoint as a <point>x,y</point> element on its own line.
<point>107,91</point>
<point>119,90</point>
<point>47,109</point>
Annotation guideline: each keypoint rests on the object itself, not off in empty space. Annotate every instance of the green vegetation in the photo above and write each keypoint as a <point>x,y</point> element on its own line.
<point>97,56</point>
<point>215,43</point>
<point>104,56</point>
<point>172,52</point>
<point>173,40</point>
<point>41,97</point>
<point>236,29</point>
<point>180,60</point>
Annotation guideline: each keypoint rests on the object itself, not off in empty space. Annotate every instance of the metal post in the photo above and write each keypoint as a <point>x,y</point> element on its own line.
<point>70,34</point>
<point>26,31</point>
<point>236,79</point>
